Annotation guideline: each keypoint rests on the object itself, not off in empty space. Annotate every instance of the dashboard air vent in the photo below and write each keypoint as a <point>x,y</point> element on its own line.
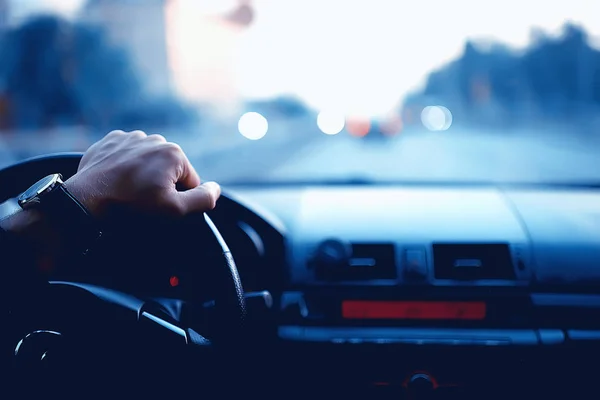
<point>376,256</point>
<point>339,261</point>
<point>473,261</point>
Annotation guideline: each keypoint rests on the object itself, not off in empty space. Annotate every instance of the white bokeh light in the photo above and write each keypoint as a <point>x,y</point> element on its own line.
<point>331,123</point>
<point>448,123</point>
<point>436,118</point>
<point>253,126</point>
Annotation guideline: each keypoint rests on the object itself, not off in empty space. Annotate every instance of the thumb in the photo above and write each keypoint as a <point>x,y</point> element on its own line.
<point>199,199</point>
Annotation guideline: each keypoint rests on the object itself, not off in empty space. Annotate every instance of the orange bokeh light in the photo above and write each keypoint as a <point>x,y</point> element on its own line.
<point>358,127</point>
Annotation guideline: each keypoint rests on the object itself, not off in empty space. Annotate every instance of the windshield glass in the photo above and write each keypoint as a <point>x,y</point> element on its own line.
<point>313,90</point>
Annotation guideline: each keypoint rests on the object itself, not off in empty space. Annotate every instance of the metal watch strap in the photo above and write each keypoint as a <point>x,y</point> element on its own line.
<point>72,218</point>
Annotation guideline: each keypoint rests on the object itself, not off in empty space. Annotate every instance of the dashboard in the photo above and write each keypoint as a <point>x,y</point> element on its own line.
<point>455,288</point>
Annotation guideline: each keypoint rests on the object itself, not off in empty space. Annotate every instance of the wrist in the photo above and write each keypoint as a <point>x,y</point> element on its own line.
<point>89,200</point>
<point>60,209</point>
<point>55,222</point>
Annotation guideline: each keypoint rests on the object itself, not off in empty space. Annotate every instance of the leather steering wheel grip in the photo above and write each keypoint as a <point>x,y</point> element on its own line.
<point>232,303</point>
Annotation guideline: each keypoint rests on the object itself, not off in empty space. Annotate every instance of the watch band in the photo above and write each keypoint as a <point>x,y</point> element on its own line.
<point>72,218</point>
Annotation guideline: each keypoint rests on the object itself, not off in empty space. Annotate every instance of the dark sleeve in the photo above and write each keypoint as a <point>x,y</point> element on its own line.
<point>21,283</point>
<point>22,289</point>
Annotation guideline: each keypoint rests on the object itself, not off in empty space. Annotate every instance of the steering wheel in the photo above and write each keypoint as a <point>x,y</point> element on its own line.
<point>216,258</point>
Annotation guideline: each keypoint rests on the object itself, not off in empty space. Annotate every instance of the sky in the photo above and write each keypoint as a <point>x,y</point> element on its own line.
<point>354,56</point>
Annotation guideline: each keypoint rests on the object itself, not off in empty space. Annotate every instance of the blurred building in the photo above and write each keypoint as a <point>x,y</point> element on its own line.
<point>204,50</point>
<point>139,26</point>
<point>4,21</point>
<point>4,14</point>
<point>15,12</point>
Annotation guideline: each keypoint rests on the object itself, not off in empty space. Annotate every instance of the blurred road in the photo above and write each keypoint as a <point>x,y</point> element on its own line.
<point>451,155</point>
<point>290,151</point>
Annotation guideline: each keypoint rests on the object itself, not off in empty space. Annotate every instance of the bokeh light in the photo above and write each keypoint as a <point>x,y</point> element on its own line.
<point>436,118</point>
<point>253,126</point>
<point>331,123</point>
<point>392,125</point>
<point>358,127</point>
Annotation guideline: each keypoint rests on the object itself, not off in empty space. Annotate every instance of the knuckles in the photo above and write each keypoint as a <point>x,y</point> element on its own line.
<point>137,134</point>
<point>171,151</point>
<point>157,138</point>
<point>172,148</point>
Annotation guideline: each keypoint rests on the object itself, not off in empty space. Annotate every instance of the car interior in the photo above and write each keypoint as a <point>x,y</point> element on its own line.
<point>410,200</point>
<point>415,291</point>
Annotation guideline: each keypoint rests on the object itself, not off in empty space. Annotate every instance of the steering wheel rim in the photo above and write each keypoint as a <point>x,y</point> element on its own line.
<point>16,178</point>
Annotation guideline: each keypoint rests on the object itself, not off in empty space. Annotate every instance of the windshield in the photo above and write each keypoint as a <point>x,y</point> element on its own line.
<point>262,91</point>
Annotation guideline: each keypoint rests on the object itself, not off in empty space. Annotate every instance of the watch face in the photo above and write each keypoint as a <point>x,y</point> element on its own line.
<point>38,187</point>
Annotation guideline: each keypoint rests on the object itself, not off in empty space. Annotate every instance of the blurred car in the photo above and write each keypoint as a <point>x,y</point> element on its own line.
<point>381,129</point>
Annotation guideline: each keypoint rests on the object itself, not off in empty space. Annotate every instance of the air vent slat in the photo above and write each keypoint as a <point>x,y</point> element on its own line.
<point>376,259</point>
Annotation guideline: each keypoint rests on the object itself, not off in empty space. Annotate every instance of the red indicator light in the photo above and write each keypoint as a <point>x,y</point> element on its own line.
<point>174,281</point>
<point>45,265</point>
<point>433,310</point>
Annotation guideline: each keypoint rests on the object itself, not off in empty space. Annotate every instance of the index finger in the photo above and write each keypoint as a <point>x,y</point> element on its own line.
<point>189,178</point>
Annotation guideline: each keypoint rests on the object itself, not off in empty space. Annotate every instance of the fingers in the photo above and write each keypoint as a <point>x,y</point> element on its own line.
<point>186,176</point>
<point>199,199</point>
<point>120,135</point>
<point>194,197</point>
<point>115,133</point>
<point>183,173</point>
<point>137,134</point>
<point>189,178</point>
<point>157,138</point>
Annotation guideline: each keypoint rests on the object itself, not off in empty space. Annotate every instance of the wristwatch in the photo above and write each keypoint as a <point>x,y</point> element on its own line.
<point>50,195</point>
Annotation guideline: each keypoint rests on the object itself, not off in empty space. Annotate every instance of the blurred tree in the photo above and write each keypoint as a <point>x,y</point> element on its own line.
<point>54,73</point>
<point>557,76</point>
<point>104,83</point>
<point>34,67</point>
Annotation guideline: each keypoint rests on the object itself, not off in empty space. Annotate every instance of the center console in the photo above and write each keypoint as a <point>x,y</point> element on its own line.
<point>409,298</point>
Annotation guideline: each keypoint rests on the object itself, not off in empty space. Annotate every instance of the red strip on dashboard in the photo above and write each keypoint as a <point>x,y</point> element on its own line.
<point>446,310</point>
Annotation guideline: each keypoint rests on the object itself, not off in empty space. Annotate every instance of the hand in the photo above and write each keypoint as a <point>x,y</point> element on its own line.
<point>123,169</point>
<point>141,172</point>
